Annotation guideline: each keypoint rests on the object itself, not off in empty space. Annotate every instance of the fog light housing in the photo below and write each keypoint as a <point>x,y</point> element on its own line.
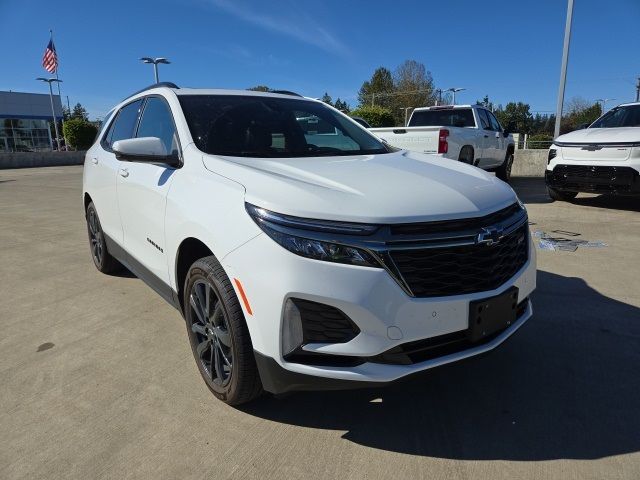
<point>292,334</point>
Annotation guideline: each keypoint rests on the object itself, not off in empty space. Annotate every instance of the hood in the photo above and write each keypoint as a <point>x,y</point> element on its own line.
<point>602,135</point>
<point>389,188</point>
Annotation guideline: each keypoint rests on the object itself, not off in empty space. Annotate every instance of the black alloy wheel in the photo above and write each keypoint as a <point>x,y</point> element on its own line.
<point>218,334</point>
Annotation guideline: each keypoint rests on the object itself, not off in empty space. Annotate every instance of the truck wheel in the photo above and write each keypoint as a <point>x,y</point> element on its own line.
<point>466,155</point>
<point>219,335</point>
<point>102,259</point>
<point>503,172</point>
<point>561,195</point>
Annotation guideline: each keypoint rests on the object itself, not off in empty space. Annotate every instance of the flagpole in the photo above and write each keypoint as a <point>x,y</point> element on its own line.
<point>59,94</point>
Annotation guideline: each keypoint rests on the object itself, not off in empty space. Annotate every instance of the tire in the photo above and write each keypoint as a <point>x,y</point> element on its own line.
<point>561,195</point>
<point>466,155</point>
<point>102,259</point>
<point>219,338</point>
<point>503,172</point>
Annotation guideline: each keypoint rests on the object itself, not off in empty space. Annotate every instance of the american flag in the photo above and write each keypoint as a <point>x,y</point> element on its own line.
<point>50,58</point>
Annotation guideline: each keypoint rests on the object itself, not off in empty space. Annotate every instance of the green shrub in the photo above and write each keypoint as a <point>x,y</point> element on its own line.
<point>539,140</point>
<point>79,133</point>
<point>375,115</point>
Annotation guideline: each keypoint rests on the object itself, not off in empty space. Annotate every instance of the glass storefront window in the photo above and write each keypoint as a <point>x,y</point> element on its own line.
<point>24,135</point>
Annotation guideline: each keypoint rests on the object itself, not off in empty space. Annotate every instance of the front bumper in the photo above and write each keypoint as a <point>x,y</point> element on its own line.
<point>386,316</point>
<point>623,180</point>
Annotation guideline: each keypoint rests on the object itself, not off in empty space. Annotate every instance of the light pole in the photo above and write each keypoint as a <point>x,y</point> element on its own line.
<point>454,90</point>
<point>53,112</point>
<point>439,92</point>
<point>563,68</point>
<point>155,62</point>
<point>406,110</point>
<point>604,101</point>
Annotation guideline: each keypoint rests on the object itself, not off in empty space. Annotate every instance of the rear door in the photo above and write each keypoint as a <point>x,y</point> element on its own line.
<point>142,195</point>
<point>102,171</point>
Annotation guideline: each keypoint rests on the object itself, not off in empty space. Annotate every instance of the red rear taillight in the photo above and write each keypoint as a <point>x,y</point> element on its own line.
<point>443,145</point>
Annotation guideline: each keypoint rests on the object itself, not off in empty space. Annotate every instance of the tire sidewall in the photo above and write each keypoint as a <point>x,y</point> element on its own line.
<point>91,209</point>
<point>201,271</point>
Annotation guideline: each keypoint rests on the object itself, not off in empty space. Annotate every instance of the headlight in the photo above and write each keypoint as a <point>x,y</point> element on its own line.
<point>279,227</point>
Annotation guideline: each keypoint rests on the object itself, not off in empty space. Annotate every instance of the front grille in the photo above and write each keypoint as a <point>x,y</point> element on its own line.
<point>456,270</point>
<point>597,179</point>
<point>422,350</point>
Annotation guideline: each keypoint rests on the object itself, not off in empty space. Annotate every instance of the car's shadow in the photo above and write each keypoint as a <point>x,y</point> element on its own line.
<point>566,386</point>
<point>533,190</point>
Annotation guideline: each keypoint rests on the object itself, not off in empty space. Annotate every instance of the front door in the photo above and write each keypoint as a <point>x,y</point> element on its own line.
<point>142,195</point>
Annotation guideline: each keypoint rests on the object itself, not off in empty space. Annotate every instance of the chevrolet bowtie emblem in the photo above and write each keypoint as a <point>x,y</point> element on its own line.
<point>490,235</point>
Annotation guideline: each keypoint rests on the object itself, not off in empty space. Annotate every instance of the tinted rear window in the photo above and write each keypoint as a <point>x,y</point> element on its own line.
<point>459,117</point>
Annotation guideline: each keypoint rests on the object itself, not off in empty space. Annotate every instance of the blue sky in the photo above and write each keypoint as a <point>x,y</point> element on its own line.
<point>510,50</point>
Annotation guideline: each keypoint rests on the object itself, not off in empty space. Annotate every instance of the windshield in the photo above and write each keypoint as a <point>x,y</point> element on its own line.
<point>257,126</point>
<point>459,117</point>
<point>628,116</point>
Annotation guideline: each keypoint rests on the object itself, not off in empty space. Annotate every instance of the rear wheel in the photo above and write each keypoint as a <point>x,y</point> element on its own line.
<point>466,155</point>
<point>102,259</point>
<point>503,172</point>
<point>219,335</point>
<point>561,195</point>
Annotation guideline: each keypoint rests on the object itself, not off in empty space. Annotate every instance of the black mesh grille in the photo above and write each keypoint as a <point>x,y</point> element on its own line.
<point>324,324</point>
<point>599,179</point>
<point>431,272</point>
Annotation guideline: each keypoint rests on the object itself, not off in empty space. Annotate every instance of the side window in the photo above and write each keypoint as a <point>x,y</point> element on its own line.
<point>157,122</point>
<point>124,125</point>
<point>484,120</point>
<point>495,125</point>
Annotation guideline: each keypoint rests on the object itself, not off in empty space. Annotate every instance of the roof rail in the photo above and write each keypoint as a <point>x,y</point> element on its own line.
<point>285,92</point>
<point>155,85</point>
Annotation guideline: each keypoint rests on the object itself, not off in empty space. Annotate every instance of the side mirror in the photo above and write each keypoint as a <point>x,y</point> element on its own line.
<point>144,149</point>
<point>506,133</point>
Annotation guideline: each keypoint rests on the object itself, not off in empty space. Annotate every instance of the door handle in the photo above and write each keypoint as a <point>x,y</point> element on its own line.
<point>124,172</point>
<point>486,136</point>
<point>94,160</point>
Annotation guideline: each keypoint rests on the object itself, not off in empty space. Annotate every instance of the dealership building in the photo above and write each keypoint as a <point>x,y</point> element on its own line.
<point>24,121</point>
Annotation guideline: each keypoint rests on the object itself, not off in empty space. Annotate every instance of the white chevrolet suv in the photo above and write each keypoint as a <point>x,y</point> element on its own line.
<point>302,251</point>
<point>603,158</point>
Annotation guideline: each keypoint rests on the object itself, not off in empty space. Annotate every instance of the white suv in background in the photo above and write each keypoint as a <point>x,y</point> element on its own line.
<point>302,251</point>
<point>603,158</point>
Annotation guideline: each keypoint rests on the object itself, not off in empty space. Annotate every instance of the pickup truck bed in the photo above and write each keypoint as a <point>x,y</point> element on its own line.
<point>468,133</point>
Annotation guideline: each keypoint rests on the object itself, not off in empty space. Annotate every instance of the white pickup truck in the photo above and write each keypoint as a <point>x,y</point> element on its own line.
<point>468,133</point>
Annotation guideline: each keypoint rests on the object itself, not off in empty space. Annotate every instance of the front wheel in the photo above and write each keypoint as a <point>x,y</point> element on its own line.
<point>561,195</point>
<point>504,171</point>
<point>219,335</point>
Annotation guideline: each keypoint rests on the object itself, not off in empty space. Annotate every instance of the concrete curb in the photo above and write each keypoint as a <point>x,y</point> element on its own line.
<point>40,159</point>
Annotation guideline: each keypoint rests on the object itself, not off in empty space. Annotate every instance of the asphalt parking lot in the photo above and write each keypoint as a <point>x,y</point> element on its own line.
<point>97,379</point>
